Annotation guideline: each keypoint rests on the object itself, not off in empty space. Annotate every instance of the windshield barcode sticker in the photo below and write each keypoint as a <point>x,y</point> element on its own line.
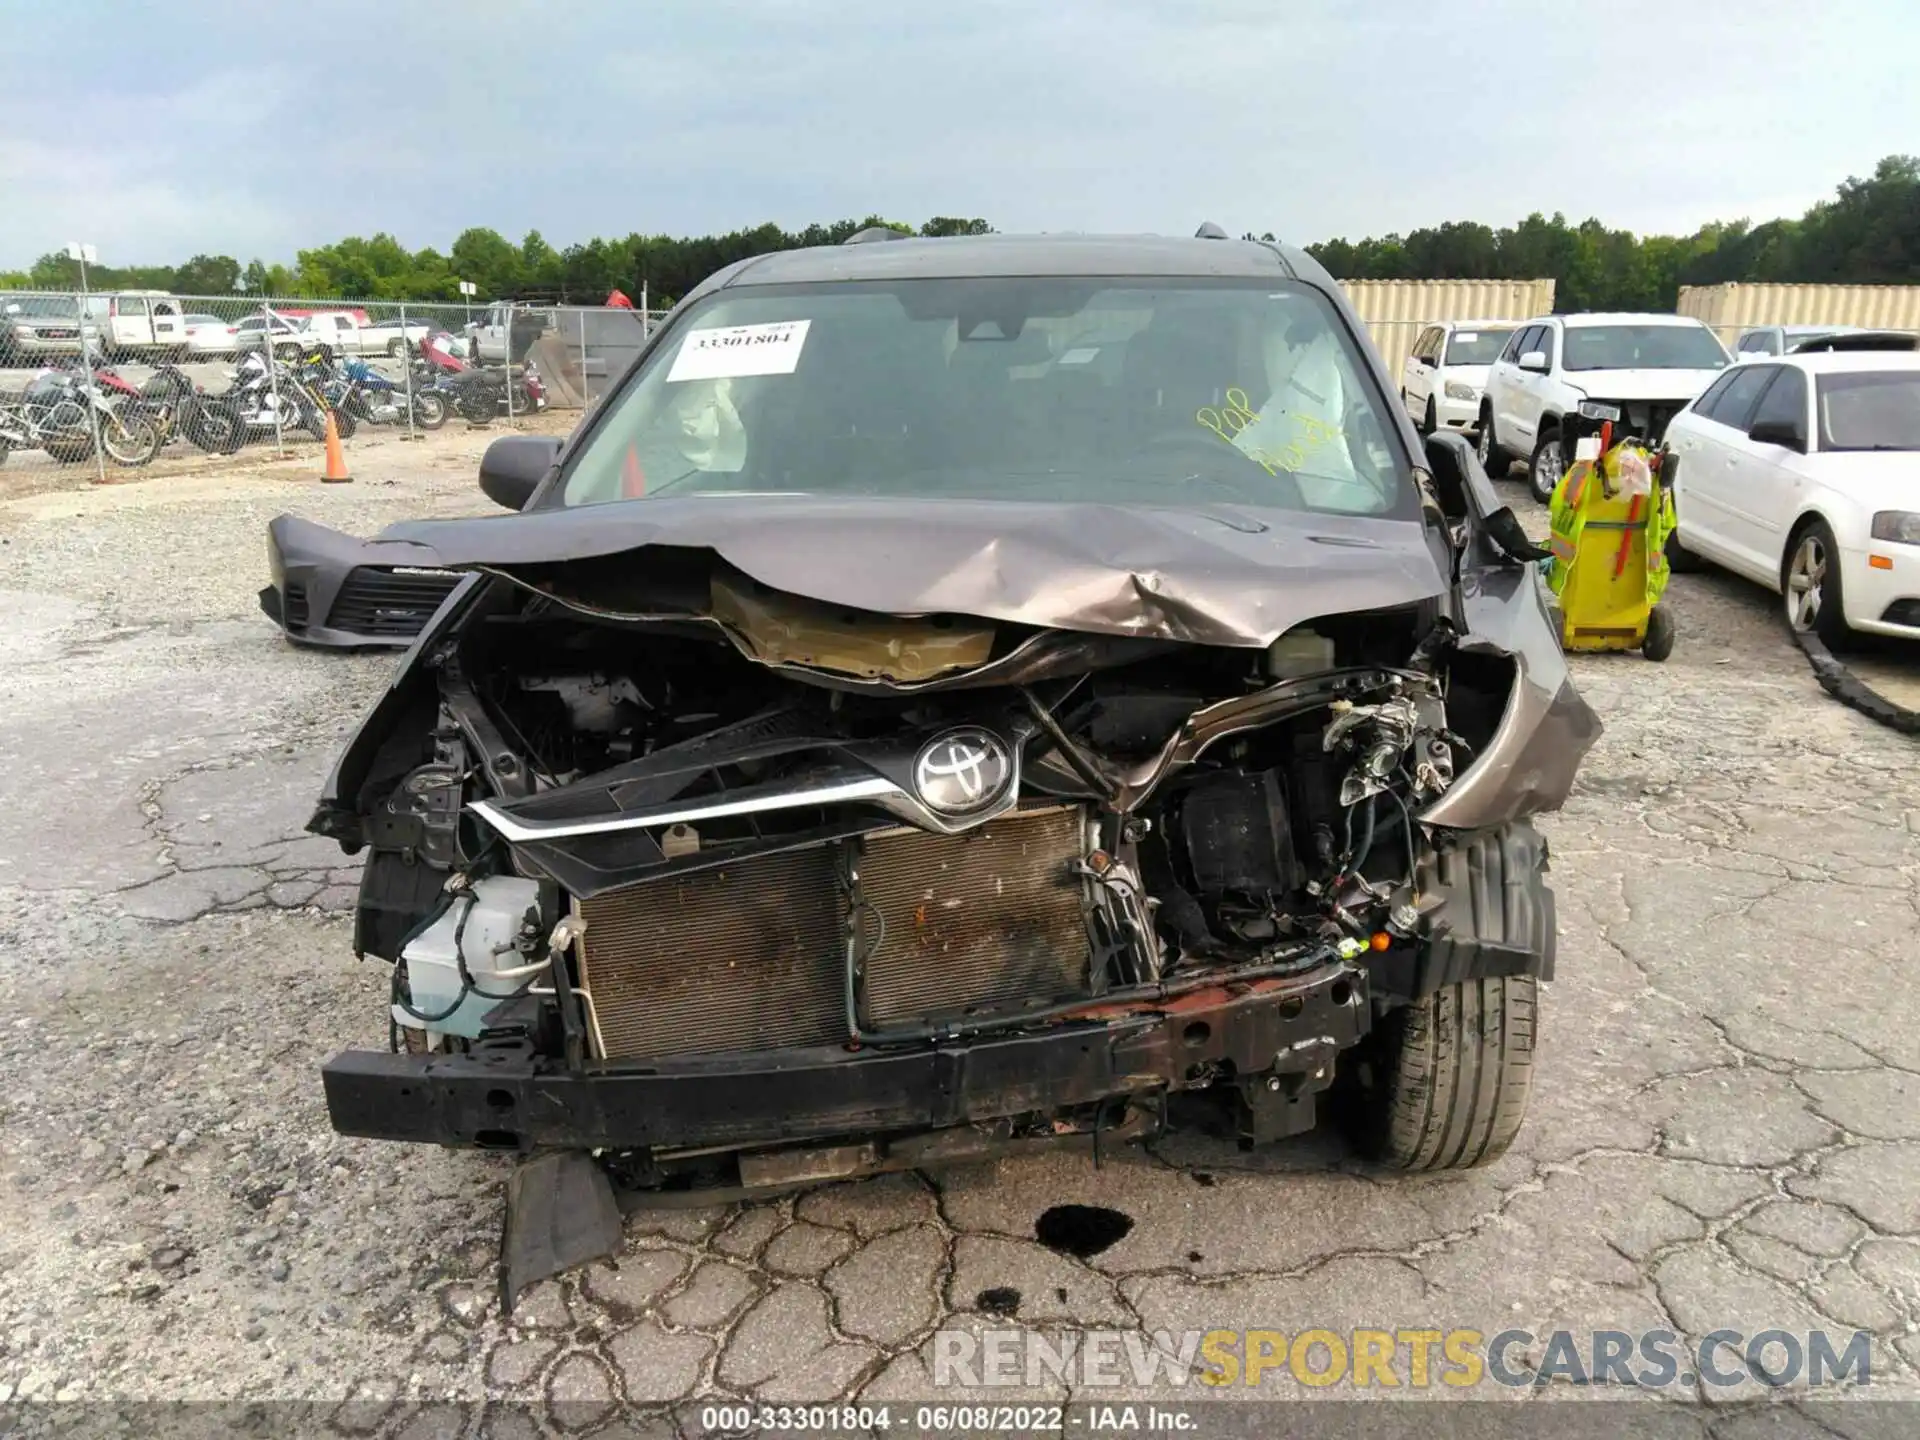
<point>734,350</point>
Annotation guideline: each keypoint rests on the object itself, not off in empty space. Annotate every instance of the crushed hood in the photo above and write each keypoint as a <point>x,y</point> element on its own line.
<point>1216,576</point>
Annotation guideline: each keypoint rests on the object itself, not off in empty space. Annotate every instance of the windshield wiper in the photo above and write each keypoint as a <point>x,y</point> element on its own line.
<point>655,490</point>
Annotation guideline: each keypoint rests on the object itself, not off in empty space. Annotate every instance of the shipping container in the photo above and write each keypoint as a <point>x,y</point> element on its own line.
<point>1397,310</point>
<point>1729,309</point>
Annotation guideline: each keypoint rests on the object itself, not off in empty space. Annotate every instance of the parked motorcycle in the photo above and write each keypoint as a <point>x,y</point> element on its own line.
<point>269,396</point>
<point>181,408</point>
<point>52,414</point>
<point>380,401</point>
<point>480,395</point>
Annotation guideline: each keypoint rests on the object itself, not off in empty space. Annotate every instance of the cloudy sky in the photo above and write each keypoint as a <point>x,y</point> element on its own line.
<point>159,128</point>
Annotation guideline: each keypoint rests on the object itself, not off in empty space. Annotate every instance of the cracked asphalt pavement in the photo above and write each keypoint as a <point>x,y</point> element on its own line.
<point>1723,1133</point>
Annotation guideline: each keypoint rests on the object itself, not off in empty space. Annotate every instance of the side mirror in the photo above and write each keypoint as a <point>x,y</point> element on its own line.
<point>1790,433</point>
<point>1468,498</point>
<point>1534,360</point>
<point>513,467</point>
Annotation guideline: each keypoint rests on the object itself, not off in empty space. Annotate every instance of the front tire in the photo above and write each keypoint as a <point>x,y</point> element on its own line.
<point>1445,1081</point>
<point>429,411</point>
<point>129,442</point>
<point>1431,421</point>
<point>1549,464</point>
<point>1810,586</point>
<point>1442,1081</point>
<point>396,348</point>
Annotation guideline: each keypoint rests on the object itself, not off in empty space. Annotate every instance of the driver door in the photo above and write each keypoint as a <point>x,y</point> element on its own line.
<point>1512,421</point>
<point>1769,477</point>
<point>1530,387</point>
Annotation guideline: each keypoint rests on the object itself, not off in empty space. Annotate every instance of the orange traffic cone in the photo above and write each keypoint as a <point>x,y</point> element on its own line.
<point>336,471</point>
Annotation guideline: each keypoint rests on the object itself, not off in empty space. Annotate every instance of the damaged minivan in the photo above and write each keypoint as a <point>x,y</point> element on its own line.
<point>957,695</point>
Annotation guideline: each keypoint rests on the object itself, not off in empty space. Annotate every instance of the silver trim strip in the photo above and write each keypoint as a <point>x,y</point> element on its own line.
<point>871,787</point>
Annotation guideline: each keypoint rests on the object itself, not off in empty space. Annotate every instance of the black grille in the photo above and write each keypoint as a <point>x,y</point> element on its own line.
<point>379,601</point>
<point>1902,612</point>
<point>1646,418</point>
<point>1660,416</point>
<point>295,606</point>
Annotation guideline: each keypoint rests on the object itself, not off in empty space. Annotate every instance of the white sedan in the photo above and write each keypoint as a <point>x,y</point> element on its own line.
<point>1803,474</point>
<point>208,335</point>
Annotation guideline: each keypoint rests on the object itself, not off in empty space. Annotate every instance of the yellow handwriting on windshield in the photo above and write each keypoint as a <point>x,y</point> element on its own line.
<point>1228,420</point>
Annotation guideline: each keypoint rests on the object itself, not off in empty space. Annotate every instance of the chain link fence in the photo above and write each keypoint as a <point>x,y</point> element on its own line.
<point>109,383</point>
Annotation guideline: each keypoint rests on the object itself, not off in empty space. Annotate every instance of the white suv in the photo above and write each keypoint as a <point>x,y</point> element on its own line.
<point>1647,366</point>
<point>1446,372</point>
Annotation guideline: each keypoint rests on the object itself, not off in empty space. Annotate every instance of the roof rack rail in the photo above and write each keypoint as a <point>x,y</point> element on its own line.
<point>873,233</point>
<point>1209,231</point>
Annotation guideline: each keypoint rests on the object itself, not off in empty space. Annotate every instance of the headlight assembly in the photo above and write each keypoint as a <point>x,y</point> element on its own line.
<point>1902,527</point>
<point>1460,390</point>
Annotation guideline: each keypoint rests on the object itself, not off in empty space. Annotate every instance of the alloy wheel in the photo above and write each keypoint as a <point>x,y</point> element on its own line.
<point>1547,469</point>
<point>1806,583</point>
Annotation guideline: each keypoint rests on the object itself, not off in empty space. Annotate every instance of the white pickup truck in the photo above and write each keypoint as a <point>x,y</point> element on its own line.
<point>354,334</point>
<point>489,336</point>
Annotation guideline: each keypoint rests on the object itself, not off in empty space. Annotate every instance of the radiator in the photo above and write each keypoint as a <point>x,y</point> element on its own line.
<point>750,957</point>
<point>988,920</point>
<point>753,956</point>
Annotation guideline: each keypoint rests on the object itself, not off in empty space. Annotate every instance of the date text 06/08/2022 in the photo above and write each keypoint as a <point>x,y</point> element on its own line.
<point>941,1419</point>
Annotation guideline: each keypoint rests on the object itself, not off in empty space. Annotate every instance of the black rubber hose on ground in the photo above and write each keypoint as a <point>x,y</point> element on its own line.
<point>1850,690</point>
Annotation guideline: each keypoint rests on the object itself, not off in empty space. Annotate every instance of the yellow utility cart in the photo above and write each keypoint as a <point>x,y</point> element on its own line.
<point>1611,515</point>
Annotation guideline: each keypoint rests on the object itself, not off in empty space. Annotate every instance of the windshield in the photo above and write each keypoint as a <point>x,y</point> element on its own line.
<point>1178,392</point>
<point>1870,410</point>
<point>1477,347</point>
<point>1643,347</point>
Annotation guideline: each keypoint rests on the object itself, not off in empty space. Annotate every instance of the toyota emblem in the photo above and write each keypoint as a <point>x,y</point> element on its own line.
<point>962,771</point>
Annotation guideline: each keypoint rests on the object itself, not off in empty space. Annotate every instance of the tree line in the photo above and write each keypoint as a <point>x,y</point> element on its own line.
<point>381,268</point>
<point>1869,233</point>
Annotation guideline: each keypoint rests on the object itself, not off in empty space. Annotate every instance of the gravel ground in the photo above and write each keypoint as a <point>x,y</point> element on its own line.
<point>1724,1130</point>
